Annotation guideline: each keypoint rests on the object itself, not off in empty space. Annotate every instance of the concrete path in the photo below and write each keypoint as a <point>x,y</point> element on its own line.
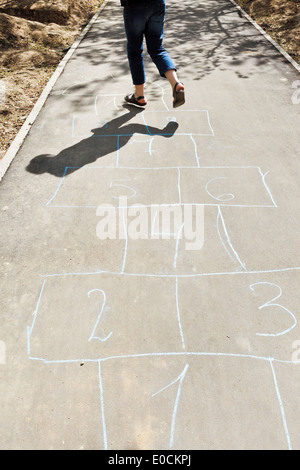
<point>180,335</point>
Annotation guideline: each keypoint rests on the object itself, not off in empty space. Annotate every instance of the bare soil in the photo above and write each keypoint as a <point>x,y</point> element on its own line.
<point>36,34</point>
<point>34,37</point>
<point>280,19</point>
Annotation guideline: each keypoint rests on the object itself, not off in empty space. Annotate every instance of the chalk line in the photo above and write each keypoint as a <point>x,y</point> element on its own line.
<point>102,406</point>
<point>281,406</point>
<point>178,314</point>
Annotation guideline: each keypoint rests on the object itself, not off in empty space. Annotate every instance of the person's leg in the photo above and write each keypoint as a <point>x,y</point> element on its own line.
<point>173,79</point>
<point>134,21</point>
<point>154,39</point>
<point>177,88</point>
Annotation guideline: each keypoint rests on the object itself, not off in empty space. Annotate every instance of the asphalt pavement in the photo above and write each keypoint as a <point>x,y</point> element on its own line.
<point>150,259</point>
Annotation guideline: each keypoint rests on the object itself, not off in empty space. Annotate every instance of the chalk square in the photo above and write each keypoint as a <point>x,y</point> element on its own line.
<point>91,186</point>
<point>107,124</point>
<point>254,314</point>
<point>225,187</point>
<point>80,316</point>
<point>270,243</point>
<point>167,250</point>
<point>177,403</point>
<point>229,403</point>
<point>158,152</point>
<point>287,374</point>
<point>190,122</point>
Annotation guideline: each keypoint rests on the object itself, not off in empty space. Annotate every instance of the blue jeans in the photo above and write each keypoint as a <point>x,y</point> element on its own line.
<point>147,20</point>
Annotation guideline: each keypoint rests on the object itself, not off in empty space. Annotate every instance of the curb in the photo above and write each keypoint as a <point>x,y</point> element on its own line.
<point>267,36</point>
<point>22,134</point>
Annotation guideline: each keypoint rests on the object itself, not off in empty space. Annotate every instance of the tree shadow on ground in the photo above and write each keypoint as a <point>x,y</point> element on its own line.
<point>200,37</point>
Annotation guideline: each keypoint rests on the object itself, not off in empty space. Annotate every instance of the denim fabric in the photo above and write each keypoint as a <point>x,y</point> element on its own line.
<point>146,21</point>
<point>140,2</point>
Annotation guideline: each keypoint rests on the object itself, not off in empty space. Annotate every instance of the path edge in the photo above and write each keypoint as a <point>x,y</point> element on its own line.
<point>16,144</point>
<point>267,36</point>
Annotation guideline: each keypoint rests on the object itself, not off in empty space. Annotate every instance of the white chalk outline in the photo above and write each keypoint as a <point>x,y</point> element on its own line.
<point>177,168</point>
<point>178,314</point>
<point>229,243</point>
<point>5,163</point>
<point>101,390</point>
<point>143,113</point>
<point>168,276</point>
<point>179,379</point>
<point>182,376</point>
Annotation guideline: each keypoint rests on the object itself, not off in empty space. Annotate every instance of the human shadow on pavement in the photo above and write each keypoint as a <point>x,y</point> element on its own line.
<point>105,140</point>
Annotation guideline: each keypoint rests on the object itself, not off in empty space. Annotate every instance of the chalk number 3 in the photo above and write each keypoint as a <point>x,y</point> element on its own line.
<point>272,303</point>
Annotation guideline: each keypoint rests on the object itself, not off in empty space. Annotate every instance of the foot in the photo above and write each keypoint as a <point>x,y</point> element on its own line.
<point>178,95</point>
<point>139,101</point>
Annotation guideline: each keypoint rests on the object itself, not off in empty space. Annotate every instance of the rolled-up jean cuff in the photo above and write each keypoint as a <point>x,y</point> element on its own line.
<point>162,74</point>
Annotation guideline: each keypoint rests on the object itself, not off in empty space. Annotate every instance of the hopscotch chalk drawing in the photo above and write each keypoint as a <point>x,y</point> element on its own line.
<point>160,310</point>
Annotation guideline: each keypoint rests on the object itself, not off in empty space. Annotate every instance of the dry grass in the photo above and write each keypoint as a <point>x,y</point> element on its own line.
<point>30,52</point>
<point>280,19</point>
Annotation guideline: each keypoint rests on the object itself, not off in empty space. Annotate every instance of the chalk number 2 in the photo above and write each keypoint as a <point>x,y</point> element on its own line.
<point>99,316</point>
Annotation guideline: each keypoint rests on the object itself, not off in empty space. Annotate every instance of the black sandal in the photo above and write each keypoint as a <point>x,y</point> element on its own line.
<point>179,96</point>
<point>131,99</point>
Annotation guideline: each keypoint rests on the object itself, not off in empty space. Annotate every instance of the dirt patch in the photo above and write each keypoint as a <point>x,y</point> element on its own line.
<point>30,51</point>
<point>280,19</point>
<point>43,11</point>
